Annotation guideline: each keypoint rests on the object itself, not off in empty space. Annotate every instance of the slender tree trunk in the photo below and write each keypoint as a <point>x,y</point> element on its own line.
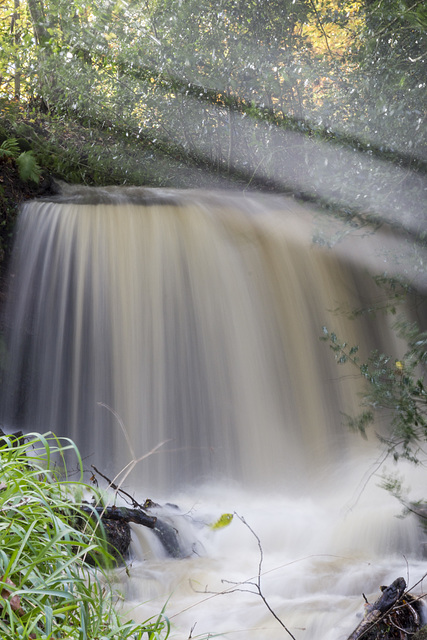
<point>38,21</point>
<point>230,152</point>
<point>16,40</point>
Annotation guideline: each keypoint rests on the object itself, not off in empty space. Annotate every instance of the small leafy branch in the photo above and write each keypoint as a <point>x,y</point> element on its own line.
<point>393,385</point>
<point>395,291</point>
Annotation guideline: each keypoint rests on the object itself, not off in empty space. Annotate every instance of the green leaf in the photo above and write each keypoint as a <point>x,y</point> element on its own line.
<point>9,148</point>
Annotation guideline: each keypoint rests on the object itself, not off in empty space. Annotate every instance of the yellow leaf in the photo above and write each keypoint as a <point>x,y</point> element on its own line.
<point>223,521</point>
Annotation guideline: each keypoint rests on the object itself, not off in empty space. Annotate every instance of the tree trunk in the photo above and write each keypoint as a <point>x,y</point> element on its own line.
<point>16,40</point>
<point>38,20</point>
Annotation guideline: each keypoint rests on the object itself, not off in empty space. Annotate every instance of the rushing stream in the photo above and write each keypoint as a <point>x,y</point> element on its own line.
<point>182,329</point>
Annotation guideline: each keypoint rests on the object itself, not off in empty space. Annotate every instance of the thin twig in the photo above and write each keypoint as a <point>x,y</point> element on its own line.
<point>117,488</point>
<point>122,426</point>
<point>239,586</point>
<point>127,469</point>
<point>258,582</point>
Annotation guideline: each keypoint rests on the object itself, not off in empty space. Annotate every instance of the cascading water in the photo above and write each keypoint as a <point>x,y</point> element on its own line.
<point>189,324</point>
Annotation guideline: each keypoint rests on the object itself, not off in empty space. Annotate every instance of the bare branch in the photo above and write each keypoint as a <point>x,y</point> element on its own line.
<point>258,583</point>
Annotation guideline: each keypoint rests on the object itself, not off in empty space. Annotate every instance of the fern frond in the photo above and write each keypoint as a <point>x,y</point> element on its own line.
<point>9,148</point>
<point>28,167</point>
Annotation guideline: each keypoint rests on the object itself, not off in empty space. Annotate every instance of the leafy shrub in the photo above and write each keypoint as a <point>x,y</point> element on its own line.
<point>396,387</point>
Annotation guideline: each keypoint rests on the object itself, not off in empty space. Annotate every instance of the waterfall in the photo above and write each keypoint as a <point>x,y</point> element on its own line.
<point>183,328</point>
<point>194,321</point>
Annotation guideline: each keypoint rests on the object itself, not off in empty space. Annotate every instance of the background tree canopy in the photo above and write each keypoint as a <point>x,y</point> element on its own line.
<point>236,88</point>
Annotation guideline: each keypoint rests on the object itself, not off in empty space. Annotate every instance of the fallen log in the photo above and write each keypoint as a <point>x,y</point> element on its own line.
<point>164,531</point>
<point>119,536</point>
<point>393,616</point>
<point>169,539</point>
<point>123,514</point>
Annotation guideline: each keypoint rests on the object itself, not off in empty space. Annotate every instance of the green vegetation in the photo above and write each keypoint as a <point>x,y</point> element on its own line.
<point>202,85</point>
<point>27,165</point>
<point>49,589</point>
<point>396,388</point>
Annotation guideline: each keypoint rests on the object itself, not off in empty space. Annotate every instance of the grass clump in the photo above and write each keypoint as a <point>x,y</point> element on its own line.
<point>48,589</point>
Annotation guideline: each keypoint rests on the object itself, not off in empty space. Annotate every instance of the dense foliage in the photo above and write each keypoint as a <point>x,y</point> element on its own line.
<point>214,85</point>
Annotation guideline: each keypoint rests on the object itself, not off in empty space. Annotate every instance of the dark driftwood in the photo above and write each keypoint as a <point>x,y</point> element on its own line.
<point>393,615</point>
<point>169,539</point>
<point>119,536</point>
<point>164,531</point>
<point>123,514</point>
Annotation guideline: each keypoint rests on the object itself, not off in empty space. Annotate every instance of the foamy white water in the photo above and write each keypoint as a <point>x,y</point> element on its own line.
<point>322,548</point>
